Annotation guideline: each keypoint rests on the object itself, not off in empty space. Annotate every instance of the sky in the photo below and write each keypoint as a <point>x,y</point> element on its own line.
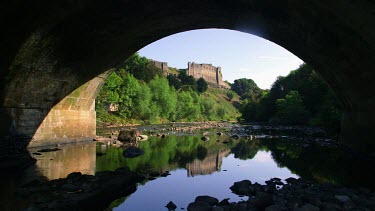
<point>240,55</point>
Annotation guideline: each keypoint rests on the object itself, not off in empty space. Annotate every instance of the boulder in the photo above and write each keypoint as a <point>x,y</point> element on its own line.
<point>132,152</point>
<point>205,138</point>
<point>128,135</point>
<point>171,206</point>
<point>199,206</point>
<point>242,187</point>
<point>143,137</point>
<point>207,199</point>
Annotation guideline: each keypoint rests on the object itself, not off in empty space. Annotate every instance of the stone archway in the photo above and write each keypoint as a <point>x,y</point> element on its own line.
<point>52,48</point>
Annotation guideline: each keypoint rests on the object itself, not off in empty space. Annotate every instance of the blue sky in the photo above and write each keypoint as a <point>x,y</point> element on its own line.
<point>240,55</point>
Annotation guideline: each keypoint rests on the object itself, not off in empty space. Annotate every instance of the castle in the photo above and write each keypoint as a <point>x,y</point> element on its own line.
<point>209,73</point>
<point>161,65</point>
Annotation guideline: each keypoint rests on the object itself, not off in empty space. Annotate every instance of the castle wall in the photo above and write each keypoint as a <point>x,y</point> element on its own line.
<point>208,72</point>
<point>161,65</point>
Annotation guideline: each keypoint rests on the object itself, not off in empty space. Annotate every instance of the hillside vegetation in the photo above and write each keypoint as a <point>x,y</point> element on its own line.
<point>143,95</point>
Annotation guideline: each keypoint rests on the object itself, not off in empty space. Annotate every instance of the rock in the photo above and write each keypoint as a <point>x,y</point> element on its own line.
<point>143,137</point>
<point>261,200</point>
<point>235,136</point>
<point>128,135</point>
<point>100,154</point>
<point>205,138</point>
<point>307,207</point>
<point>343,199</point>
<point>241,187</point>
<point>224,202</point>
<point>274,208</point>
<point>199,206</point>
<point>171,206</point>
<point>207,199</point>
<point>70,187</point>
<point>291,180</point>
<point>74,176</point>
<point>132,152</point>
<point>49,150</point>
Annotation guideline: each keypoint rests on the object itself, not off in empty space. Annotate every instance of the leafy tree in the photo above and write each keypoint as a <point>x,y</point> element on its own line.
<point>174,81</point>
<point>187,107</point>
<point>187,81</point>
<point>290,110</point>
<point>230,95</point>
<point>164,97</point>
<point>246,88</point>
<point>202,85</point>
<point>141,68</point>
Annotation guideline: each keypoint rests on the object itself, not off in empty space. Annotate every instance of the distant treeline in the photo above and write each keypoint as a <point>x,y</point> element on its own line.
<point>144,95</point>
<point>300,98</point>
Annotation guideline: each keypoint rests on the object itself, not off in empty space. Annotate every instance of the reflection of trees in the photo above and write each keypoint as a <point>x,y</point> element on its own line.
<point>246,149</point>
<point>160,154</point>
<point>323,164</point>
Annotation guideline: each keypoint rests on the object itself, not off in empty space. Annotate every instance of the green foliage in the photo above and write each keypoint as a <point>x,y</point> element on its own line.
<point>164,97</point>
<point>144,100</point>
<point>174,81</point>
<point>246,88</point>
<point>290,110</point>
<point>230,95</point>
<point>202,85</point>
<point>187,81</point>
<point>315,98</point>
<point>141,68</point>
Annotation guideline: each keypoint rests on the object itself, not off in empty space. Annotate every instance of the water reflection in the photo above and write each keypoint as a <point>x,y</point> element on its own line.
<point>80,157</point>
<point>206,168</point>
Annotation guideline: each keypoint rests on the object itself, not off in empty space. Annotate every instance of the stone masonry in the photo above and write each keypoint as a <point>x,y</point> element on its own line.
<point>209,73</point>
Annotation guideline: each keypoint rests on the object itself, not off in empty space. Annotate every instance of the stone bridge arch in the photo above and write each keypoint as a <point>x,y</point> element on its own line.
<point>51,48</point>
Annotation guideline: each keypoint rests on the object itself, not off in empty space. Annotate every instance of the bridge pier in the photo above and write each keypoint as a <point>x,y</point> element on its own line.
<point>357,130</point>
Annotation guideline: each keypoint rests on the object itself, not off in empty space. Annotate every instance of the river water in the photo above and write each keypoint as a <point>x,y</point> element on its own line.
<point>182,166</point>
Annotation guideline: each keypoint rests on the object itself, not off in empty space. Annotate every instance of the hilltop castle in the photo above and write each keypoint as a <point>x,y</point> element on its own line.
<point>161,65</point>
<point>208,72</point>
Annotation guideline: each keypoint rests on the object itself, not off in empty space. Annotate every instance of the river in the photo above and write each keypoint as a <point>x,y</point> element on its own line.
<point>181,166</point>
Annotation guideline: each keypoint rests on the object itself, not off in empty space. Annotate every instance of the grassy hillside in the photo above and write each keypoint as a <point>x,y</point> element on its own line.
<point>219,96</point>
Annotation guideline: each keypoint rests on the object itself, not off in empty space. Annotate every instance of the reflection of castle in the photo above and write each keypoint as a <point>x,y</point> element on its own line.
<point>208,72</point>
<point>210,164</point>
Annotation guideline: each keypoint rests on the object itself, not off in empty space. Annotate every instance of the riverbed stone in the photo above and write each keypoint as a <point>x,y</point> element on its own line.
<point>343,199</point>
<point>132,152</point>
<point>128,135</point>
<point>241,187</point>
<point>199,206</point>
<point>307,207</point>
<point>171,206</point>
<point>207,199</point>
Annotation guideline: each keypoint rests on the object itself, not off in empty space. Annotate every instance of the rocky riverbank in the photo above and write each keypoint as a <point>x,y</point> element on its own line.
<point>293,194</point>
<point>81,192</point>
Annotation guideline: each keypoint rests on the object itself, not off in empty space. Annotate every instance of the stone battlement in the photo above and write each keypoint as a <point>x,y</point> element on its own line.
<point>208,72</point>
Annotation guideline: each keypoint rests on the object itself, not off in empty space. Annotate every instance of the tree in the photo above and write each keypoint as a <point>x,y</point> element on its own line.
<point>187,81</point>
<point>246,88</point>
<point>290,110</point>
<point>230,95</point>
<point>174,81</point>
<point>141,68</point>
<point>164,97</point>
<point>202,85</point>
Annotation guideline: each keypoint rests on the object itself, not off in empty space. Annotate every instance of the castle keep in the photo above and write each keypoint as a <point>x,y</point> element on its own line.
<point>208,72</point>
